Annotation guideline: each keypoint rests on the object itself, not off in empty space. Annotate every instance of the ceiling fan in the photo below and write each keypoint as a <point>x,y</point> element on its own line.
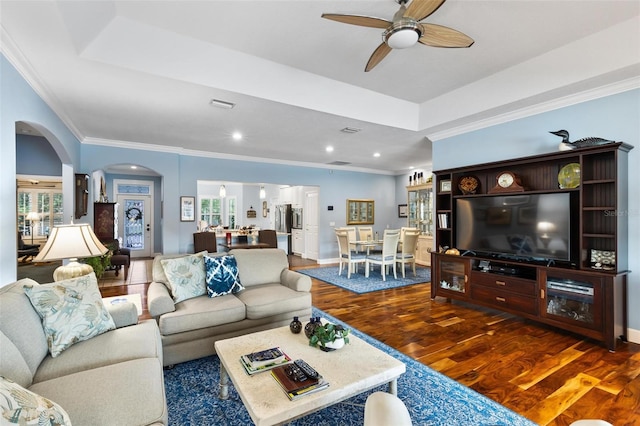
<point>405,29</point>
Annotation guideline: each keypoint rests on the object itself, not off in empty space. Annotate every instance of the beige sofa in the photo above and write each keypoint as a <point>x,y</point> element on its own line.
<point>273,295</point>
<point>114,378</point>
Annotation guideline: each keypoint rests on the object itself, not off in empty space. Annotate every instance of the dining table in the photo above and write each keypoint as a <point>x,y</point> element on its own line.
<point>365,244</point>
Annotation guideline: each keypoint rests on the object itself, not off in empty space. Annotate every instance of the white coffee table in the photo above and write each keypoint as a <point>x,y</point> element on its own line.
<point>354,369</point>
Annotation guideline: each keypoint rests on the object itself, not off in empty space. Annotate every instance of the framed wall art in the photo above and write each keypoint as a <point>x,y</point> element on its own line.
<point>403,210</point>
<point>187,209</point>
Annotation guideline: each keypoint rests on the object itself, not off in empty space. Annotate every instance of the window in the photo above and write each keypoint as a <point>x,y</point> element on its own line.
<point>213,210</point>
<point>231,212</point>
<point>47,203</point>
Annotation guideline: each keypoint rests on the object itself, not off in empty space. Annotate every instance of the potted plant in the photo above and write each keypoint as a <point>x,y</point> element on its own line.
<point>100,263</point>
<point>329,337</point>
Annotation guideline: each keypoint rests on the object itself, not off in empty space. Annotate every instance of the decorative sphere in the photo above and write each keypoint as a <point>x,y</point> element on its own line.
<point>569,176</point>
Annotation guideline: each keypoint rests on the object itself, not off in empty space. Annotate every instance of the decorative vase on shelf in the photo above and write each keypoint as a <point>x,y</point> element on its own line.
<point>295,326</point>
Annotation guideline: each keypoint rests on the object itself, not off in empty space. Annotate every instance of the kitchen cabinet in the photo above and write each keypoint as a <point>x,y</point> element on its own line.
<point>297,241</point>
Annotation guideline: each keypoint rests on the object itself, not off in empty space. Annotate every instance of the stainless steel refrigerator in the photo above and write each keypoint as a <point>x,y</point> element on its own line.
<point>283,222</point>
<point>283,218</point>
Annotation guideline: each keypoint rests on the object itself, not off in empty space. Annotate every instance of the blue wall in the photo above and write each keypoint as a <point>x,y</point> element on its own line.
<point>35,156</point>
<point>19,102</point>
<point>615,117</point>
<point>181,174</point>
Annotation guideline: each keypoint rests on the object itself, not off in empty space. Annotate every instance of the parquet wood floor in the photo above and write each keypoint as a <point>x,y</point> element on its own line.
<point>547,375</point>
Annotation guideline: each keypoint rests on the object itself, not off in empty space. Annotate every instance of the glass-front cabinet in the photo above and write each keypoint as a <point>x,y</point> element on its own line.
<point>450,275</point>
<point>572,299</point>
<point>420,208</point>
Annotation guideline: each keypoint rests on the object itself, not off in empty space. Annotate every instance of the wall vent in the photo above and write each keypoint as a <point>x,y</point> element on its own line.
<point>339,163</point>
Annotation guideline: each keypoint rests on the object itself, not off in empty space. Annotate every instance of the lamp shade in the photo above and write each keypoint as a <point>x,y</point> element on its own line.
<point>33,216</point>
<point>223,191</point>
<point>71,242</point>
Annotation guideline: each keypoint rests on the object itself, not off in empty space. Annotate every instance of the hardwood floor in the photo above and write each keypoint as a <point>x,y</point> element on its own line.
<point>547,375</point>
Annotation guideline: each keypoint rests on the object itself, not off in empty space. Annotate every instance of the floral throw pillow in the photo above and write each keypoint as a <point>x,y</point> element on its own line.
<point>186,276</point>
<point>22,407</point>
<point>222,275</point>
<point>71,310</point>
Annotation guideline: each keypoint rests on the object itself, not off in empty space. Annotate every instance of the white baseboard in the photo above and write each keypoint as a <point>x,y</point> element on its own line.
<point>633,335</point>
<point>327,261</point>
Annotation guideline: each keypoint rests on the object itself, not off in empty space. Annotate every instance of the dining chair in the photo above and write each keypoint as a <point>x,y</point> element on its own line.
<point>348,256</point>
<point>268,236</point>
<point>407,254</point>
<point>388,255</point>
<point>402,231</point>
<point>352,236</point>
<point>365,233</point>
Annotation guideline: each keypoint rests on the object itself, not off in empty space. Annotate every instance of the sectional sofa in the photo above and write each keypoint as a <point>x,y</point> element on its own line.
<point>113,378</point>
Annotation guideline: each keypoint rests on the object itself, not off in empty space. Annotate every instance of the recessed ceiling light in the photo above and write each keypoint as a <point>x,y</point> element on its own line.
<point>329,148</point>
<point>221,104</point>
<point>236,136</point>
<point>410,167</point>
<point>134,167</point>
<point>376,154</point>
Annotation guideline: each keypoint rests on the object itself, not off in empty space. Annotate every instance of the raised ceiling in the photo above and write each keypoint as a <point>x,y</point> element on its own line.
<point>142,73</point>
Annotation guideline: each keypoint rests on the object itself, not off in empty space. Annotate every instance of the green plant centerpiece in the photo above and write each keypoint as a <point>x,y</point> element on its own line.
<point>329,337</point>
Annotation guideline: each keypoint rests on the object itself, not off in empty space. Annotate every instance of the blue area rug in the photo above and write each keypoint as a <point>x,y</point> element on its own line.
<point>360,284</point>
<point>431,398</point>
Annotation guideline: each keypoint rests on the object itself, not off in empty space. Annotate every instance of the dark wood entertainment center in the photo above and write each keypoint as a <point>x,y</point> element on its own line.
<point>578,295</point>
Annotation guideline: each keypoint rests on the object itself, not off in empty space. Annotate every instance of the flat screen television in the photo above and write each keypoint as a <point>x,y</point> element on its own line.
<point>529,227</point>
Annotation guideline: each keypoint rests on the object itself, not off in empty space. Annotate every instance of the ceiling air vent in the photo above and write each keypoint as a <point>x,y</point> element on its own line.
<point>339,163</point>
<point>350,130</point>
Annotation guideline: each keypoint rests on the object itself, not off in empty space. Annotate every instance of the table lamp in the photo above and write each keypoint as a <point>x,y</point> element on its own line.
<point>32,217</point>
<point>71,242</point>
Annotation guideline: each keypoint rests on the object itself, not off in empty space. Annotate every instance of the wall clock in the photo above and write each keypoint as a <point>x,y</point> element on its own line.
<point>507,182</point>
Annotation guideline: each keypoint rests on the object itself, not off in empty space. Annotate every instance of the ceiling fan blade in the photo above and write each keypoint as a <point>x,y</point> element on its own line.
<point>441,36</point>
<point>377,56</point>
<point>420,9</point>
<point>361,20</point>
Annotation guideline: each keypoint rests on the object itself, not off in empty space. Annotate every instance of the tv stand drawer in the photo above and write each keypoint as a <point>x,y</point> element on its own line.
<point>505,300</point>
<point>499,282</point>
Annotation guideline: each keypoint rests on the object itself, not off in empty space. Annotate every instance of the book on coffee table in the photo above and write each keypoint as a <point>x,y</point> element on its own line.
<point>297,389</point>
<point>257,362</point>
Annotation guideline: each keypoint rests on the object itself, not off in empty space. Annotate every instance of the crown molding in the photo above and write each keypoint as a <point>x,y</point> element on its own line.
<point>541,107</point>
<point>221,156</point>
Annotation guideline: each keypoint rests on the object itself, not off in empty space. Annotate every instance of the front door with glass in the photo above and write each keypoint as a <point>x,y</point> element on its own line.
<point>136,224</point>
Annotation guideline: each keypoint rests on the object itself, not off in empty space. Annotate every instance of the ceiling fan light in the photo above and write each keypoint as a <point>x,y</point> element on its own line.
<point>402,34</point>
<point>402,39</point>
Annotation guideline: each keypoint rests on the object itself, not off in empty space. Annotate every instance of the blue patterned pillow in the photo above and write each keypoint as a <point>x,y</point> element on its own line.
<point>71,311</point>
<point>186,276</point>
<point>222,275</point>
